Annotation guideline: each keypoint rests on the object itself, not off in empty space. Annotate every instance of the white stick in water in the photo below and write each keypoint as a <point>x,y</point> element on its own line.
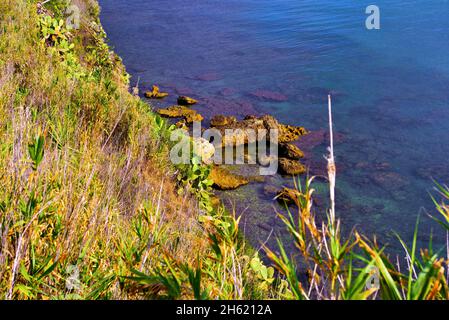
<point>331,169</point>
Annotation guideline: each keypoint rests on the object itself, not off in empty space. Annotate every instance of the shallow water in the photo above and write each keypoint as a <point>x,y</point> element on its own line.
<point>390,87</point>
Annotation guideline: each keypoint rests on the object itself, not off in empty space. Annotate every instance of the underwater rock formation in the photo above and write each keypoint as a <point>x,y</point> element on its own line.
<point>269,95</point>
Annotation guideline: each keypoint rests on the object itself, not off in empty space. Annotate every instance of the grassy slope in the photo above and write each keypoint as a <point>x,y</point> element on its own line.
<point>103,196</point>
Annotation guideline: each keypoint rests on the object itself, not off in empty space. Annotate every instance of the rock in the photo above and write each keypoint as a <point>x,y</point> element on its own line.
<point>155,94</point>
<point>288,195</point>
<point>290,151</point>
<point>313,139</point>
<point>291,167</point>
<point>318,95</point>
<point>439,172</point>
<point>365,165</point>
<point>269,95</point>
<point>250,117</point>
<point>186,101</point>
<point>391,181</point>
<point>188,114</point>
<point>175,111</point>
<point>220,120</point>
<point>288,133</point>
<point>203,149</point>
<point>246,131</point>
<point>193,117</point>
<point>225,180</point>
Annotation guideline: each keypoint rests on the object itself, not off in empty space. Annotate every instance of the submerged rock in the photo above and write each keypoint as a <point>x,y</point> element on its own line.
<point>225,180</point>
<point>291,167</point>
<point>290,151</point>
<point>270,190</point>
<point>228,92</point>
<point>186,101</point>
<point>390,180</point>
<point>155,93</point>
<point>269,95</point>
<point>228,107</point>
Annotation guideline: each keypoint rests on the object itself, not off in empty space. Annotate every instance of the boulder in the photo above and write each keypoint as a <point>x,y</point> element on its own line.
<point>225,180</point>
<point>155,93</point>
<point>188,114</point>
<point>290,151</point>
<point>221,120</point>
<point>186,101</point>
<point>288,133</point>
<point>245,131</point>
<point>291,167</point>
<point>193,117</point>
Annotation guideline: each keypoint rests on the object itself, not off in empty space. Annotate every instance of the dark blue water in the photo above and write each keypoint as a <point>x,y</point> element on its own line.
<point>390,87</point>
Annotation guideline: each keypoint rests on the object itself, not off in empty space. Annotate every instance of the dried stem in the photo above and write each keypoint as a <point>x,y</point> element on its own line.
<point>331,169</point>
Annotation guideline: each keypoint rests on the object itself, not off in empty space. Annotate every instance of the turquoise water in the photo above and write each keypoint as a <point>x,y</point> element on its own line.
<point>390,88</point>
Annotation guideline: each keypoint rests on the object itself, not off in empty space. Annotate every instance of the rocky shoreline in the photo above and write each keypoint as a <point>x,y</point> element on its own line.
<point>288,155</point>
